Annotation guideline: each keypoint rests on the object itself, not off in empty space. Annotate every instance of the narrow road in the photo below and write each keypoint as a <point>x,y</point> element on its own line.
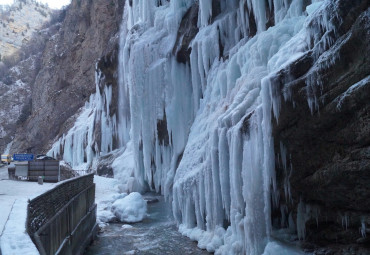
<point>156,235</point>
<point>3,172</point>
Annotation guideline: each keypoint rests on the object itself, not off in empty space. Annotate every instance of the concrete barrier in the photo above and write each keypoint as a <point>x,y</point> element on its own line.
<point>63,220</point>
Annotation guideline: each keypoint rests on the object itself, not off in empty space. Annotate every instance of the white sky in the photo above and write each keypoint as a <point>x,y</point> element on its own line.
<point>54,4</point>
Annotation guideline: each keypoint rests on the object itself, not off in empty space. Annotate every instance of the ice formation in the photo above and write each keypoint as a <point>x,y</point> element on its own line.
<point>79,147</point>
<point>363,228</point>
<point>132,208</point>
<point>200,132</point>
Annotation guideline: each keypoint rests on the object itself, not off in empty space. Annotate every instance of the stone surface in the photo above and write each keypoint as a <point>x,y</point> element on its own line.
<point>67,75</point>
<point>329,149</point>
<point>19,22</point>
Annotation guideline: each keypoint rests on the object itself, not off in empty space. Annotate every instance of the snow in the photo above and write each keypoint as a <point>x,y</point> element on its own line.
<point>126,226</point>
<point>114,203</point>
<point>7,149</point>
<point>107,189</point>
<point>206,240</point>
<point>123,169</point>
<point>276,248</point>
<point>13,203</point>
<point>15,239</point>
<point>351,90</point>
<point>132,208</point>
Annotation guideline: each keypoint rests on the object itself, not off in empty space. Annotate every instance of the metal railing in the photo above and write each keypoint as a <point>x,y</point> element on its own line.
<point>62,220</point>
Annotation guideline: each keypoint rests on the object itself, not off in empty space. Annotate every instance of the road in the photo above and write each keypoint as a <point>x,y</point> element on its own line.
<point>13,203</point>
<point>3,172</point>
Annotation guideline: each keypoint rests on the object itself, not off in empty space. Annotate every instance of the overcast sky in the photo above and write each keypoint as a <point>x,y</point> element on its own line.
<point>55,4</point>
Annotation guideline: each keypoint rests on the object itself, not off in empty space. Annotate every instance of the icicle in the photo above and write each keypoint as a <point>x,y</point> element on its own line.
<point>345,221</point>
<point>363,228</point>
<point>301,220</point>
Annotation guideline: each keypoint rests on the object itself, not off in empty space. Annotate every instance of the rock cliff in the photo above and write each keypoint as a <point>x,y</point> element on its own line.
<point>18,23</point>
<point>322,137</point>
<point>67,75</point>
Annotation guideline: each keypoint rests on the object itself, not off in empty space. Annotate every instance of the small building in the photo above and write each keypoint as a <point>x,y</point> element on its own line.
<point>32,170</point>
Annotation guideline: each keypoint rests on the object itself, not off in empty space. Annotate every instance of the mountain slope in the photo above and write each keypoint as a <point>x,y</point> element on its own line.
<point>17,25</point>
<point>67,75</point>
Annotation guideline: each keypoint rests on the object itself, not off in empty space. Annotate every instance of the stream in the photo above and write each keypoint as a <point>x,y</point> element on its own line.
<point>156,234</point>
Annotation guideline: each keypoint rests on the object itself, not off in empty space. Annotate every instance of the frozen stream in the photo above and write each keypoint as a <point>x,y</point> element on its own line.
<point>156,234</point>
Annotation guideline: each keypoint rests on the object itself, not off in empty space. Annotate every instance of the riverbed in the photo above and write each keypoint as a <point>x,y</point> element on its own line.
<point>156,234</point>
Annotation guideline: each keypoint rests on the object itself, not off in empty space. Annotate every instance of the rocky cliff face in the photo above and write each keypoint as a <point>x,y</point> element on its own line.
<point>322,137</point>
<point>15,98</point>
<point>21,42</point>
<point>67,75</point>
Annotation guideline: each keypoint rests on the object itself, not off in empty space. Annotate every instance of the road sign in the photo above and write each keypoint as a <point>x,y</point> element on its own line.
<point>23,157</point>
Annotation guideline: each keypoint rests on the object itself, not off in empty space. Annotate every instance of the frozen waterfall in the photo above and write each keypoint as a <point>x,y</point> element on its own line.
<point>199,132</point>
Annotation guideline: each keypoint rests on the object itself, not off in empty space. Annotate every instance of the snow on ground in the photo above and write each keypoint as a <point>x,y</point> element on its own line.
<point>15,239</point>
<point>132,208</point>
<point>13,203</point>
<point>112,203</point>
<point>106,190</point>
<point>276,248</point>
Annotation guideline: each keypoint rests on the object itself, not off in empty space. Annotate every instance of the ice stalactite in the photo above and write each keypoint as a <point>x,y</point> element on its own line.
<point>156,91</point>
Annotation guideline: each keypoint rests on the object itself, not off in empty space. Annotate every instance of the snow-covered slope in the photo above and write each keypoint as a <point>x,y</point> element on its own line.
<point>18,22</point>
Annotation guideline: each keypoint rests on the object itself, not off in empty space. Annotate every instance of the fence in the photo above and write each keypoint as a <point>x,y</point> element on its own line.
<point>63,220</point>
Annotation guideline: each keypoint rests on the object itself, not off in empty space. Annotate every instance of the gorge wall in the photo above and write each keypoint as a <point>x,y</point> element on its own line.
<point>63,84</point>
<point>326,143</point>
<point>251,117</point>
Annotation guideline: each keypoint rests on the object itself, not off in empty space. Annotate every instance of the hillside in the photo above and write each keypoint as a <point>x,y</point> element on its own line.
<point>21,52</point>
<point>19,22</point>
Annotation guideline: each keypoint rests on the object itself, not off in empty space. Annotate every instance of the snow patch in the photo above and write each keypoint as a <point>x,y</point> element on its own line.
<point>131,208</point>
<point>275,248</point>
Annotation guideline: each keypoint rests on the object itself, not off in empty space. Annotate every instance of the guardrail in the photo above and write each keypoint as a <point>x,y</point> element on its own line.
<point>63,220</point>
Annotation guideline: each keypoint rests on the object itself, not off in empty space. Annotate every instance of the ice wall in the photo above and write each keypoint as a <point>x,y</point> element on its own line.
<point>79,146</point>
<point>200,132</point>
<point>227,171</point>
<point>217,111</point>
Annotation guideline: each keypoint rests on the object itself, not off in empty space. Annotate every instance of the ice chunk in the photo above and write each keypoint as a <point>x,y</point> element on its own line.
<point>276,248</point>
<point>131,208</point>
